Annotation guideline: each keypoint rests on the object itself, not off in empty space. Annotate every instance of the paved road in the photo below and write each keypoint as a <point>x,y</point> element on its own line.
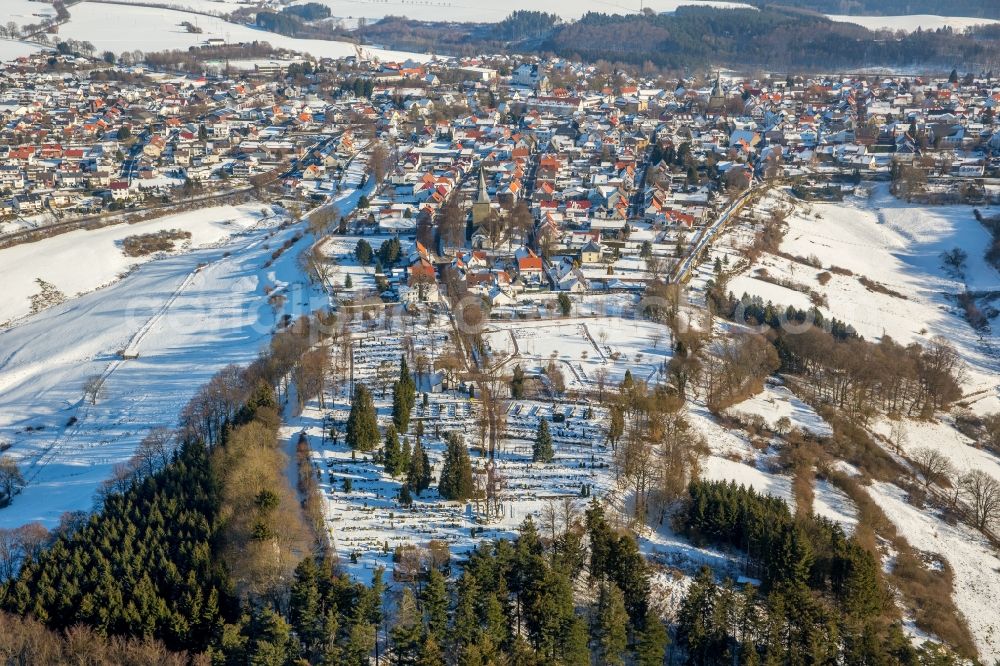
<point>708,235</point>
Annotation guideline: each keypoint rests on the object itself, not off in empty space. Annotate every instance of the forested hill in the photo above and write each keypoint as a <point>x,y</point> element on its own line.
<point>773,37</point>
<point>768,38</point>
<point>973,8</point>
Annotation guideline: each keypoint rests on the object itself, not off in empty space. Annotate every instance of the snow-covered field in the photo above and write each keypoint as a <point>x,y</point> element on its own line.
<point>208,6</point>
<point>11,49</point>
<point>25,12</point>
<point>186,316</point>
<point>942,437</point>
<point>583,347</point>
<point>119,28</point>
<point>910,22</point>
<point>899,246</point>
<point>748,284</point>
<point>195,322</point>
<point>82,261</point>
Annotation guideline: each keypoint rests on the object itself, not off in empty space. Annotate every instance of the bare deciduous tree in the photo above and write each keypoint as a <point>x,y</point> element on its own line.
<point>11,480</point>
<point>380,161</point>
<point>154,450</point>
<point>898,437</point>
<point>19,544</point>
<point>982,492</point>
<point>934,466</point>
<point>601,380</point>
<point>322,219</point>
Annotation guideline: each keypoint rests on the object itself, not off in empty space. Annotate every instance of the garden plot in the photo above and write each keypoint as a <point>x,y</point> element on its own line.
<point>727,248</point>
<point>544,305</point>
<point>585,348</point>
<point>339,251</point>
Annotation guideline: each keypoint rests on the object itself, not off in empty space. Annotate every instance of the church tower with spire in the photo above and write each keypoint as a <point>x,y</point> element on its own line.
<point>717,101</point>
<point>482,205</point>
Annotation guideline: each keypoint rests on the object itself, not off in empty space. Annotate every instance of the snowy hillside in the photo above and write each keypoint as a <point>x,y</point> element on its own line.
<point>912,22</point>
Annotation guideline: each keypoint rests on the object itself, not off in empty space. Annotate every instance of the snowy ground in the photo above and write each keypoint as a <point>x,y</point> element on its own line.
<point>911,22</point>
<point>185,323</point>
<point>776,402</point>
<point>208,6</point>
<point>899,246</point>
<point>11,49</point>
<point>831,502</point>
<point>974,562</point>
<point>368,517</point>
<point>119,28</point>
<point>82,261</point>
<point>584,346</point>
<point>25,12</point>
<point>186,315</point>
<point>943,437</point>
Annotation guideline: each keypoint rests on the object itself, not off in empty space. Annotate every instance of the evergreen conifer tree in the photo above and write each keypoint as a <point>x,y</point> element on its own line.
<point>517,383</point>
<point>405,452</point>
<point>418,473</point>
<point>406,633</point>
<point>612,624</point>
<point>465,629</point>
<point>430,652</point>
<point>652,643</point>
<point>304,610</point>
<point>617,426</point>
<point>456,475</point>
<point>434,602</point>
<point>360,643</point>
<point>362,427</point>
<point>542,449</point>
<point>393,455</point>
<point>404,397</point>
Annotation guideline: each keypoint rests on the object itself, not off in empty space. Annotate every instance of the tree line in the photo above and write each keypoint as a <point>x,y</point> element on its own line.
<point>767,37</point>
<point>847,371</point>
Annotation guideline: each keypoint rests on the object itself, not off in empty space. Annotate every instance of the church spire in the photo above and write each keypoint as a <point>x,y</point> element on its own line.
<point>484,197</point>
